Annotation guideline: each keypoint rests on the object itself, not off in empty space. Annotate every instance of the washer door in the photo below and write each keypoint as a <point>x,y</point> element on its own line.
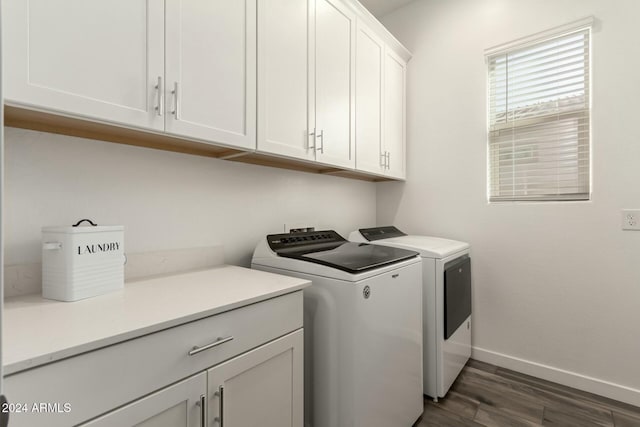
<point>457,294</point>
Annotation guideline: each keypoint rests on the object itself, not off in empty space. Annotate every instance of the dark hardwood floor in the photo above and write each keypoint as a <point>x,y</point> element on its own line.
<point>486,395</point>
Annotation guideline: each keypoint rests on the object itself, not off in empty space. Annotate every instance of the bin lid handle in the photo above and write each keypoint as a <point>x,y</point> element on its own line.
<point>83,220</point>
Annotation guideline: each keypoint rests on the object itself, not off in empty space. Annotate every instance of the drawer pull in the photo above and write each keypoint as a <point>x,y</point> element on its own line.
<point>219,341</point>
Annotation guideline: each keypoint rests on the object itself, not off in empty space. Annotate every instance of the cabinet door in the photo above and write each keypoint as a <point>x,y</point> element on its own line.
<point>180,405</point>
<point>211,70</point>
<point>261,388</point>
<point>91,58</point>
<point>394,113</point>
<point>369,92</point>
<point>284,125</point>
<point>334,76</point>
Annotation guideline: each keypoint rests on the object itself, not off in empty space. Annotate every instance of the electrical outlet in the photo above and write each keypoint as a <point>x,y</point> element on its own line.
<point>630,219</point>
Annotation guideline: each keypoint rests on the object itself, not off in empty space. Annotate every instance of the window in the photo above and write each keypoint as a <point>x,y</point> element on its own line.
<point>539,118</point>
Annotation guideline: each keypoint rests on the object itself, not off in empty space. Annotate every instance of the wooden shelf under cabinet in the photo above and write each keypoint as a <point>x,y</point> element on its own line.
<point>46,122</point>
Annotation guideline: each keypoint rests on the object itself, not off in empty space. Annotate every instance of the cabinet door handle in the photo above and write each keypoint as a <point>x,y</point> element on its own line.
<point>159,97</point>
<point>203,410</point>
<point>176,101</point>
<point>388,160</point>
<point>312,134</point>
<point>321,136</point>
<point>383,160</point>
<point>219,341</point>
<point>220,395</point>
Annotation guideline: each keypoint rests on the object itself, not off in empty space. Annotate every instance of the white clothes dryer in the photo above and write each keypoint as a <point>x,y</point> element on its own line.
<point>446,275</point>
<point>362,327</point>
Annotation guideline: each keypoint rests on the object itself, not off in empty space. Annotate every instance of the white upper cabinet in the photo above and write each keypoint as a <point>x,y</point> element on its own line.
<point>380,106</point>
<point>305,80</point>
<point>210,80</point>
<point>90,58</point>
<point>395,70</point>
<point>369,92</point>
<point>314,80</point>
<point>283,80</point>
<point>105,60</point>
<point>334,76</point>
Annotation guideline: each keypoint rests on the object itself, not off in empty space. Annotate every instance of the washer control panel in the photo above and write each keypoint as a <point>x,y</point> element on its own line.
<point>279,242</point>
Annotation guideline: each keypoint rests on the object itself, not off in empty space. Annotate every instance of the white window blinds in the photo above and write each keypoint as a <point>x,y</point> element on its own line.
<point>539,122</point>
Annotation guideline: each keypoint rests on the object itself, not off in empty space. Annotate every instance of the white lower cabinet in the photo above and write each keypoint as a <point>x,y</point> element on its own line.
<point>170,378</point>
<point>179,405</point>
<point>261,388</point>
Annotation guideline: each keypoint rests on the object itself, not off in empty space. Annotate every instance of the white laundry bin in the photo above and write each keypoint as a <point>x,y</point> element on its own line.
<point>82,261</point>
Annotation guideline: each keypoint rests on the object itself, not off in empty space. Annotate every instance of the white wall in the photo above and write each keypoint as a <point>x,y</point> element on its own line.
<point>165,200</point>
<point>556,285</point>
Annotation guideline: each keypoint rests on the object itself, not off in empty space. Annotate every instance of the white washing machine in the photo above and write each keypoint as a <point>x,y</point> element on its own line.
<point>362,327</point>
<point>446,302</point>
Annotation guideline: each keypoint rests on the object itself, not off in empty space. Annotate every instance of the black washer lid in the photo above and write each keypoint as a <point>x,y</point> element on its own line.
<point>379,233</point>
<point>330,249</point>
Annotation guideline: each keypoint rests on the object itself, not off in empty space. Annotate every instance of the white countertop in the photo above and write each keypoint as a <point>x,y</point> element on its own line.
<point>38,331</point>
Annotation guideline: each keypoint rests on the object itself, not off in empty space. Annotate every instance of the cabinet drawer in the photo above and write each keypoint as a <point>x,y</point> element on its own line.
<point>98,381</point>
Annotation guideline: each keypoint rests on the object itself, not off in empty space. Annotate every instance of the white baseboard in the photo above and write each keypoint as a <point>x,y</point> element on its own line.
<point>571,379</point>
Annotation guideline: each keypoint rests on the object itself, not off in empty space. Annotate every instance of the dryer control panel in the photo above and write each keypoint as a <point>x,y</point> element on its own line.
<point>379,233</point>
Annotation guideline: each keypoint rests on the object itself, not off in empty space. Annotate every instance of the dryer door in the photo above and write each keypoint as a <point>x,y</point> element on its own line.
<point>457,294</point>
